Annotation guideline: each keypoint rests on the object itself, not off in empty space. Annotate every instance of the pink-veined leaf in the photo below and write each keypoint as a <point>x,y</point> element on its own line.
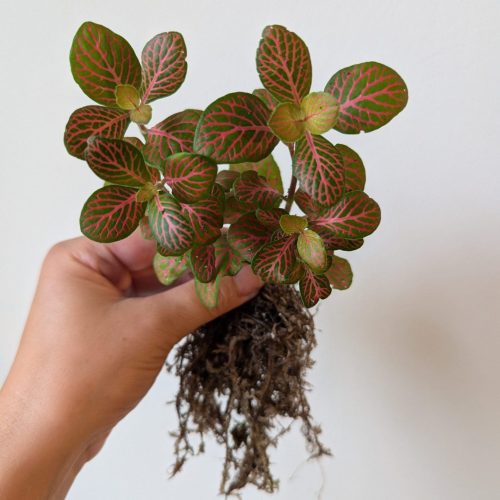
<point>227,259</point>
<point>168,269</point>
<point>284,64</point>
<point>307,204</point>
<point>292,224</point>
<point>164,65</point>
<point>355,216</point>
<point>208,293</point>
<point>170,229</point>
<point>313,288</point>
<point>319,167</point>
<point>312,251</point>
<point>226,178</point>
<point>254,191</point>
<point>233,129</point>
<point>270,217</point>
<point>202,261</point>
<point>267,168</point>
<point>111,214</point>
<point>101,60</point>
<point>333,243</point>
<point>370,94</point>
<point>135,142</point>
<point>93,120</point>
<point>320,112</point>
<point>173,135</point>
<point>340,273</point>
<point>288,122</point>
<point>190,176</point>
<point>119,162</point>
<point>275,262</point>
<point>234,209</point>
<point>354,170</point>
<point>205,217</point>
<point>247,235</point>
<point>266,97</point>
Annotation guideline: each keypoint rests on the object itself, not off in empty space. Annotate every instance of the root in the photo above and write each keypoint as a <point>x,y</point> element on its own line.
<point>242,379</point>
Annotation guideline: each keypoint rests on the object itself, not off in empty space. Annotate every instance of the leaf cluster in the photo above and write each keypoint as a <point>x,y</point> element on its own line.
<point>204,184</point>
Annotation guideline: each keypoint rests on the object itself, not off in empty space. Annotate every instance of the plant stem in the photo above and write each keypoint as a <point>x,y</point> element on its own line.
<point>293,183</point>
<point>144,131</point>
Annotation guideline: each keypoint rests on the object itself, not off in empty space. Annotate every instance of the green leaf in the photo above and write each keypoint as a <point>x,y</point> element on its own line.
<point>208,293</point>
<point>101,60</point>
<point>247,235</point>
<point>205,217</point>
<point>267,168</point>
<point>313,288</point>
<point>93,120</point>
<point>170,229</point>
<point>270,217</point>
<point>355,175</point>
<point>234,129</point>
<point>319,112</point>
<point>173,135</point>
<point>266,97</point>
<point>164,65</point>
<point>283,64</point>
<point>275,262</point>
<point>287,122</point>
<point>127,97</point>
<point>292,224</point>
<point>339,274</point>
<point>135,142</point>
<point>254,191</point>
<point>319,167</point>
<point>333,243</point>
<point>369,94</point>
<point>312,251</point>
<point>355,216</point>
<point>227,260</point>
<point>111,214</point>
<point>202,262</point>
<point>190,176</point>
<point>118,162</point>
<point>141,115</point>
<point>311,208</point>
<point>168,269</point>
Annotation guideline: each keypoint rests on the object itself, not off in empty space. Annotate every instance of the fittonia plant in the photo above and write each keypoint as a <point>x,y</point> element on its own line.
<point>204,184</point>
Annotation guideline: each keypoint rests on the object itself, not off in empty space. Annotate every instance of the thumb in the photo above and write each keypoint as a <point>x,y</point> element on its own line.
<point>180,311</point>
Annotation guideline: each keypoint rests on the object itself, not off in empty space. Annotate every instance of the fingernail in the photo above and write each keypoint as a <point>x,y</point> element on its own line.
<point>247,283</point>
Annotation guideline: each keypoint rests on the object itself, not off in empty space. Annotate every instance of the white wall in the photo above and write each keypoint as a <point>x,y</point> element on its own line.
<point>407,379</point>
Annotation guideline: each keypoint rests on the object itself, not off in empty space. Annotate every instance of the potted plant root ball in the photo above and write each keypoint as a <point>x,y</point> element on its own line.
<point>205,186</point>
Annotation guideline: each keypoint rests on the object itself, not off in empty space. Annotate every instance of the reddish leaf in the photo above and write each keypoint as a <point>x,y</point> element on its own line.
<point>340,273</point>
<point>205,218</point>
<point>111,213</point>
<point>135,142</point>
<point>226,178</point>
<point>266,97</point>
<point>208,293</point>
<point>354,170</point>
<point>319,168</point>
<point>247,235</point>
<point>355,216</point>
<point>93,120</point>
<point>254,190</point>
<point>267,168</point>
<point>190,176</point>
<point>227,259</point>
<point>173,135</point>
<point>270,217</point>
<point>118,162</point>
<point>307,204</point>
<point>333,243</point>
<point>314,287</point>
<point>312,251</point>
<point>164,65</point>
<point>234,209</point>
<point>202,261</point>
<point>234,129</point>
<point>168,269</point>
<point>169,227</point>
<point>101,60</point>
<point>369,94</point>
<point>283,64</point>
<point>275,262</point>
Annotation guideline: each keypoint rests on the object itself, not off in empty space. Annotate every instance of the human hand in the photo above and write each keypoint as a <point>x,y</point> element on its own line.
<point>97,336</point>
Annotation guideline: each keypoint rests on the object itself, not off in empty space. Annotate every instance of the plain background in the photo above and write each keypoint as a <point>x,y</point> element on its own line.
<point>406,383</point>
